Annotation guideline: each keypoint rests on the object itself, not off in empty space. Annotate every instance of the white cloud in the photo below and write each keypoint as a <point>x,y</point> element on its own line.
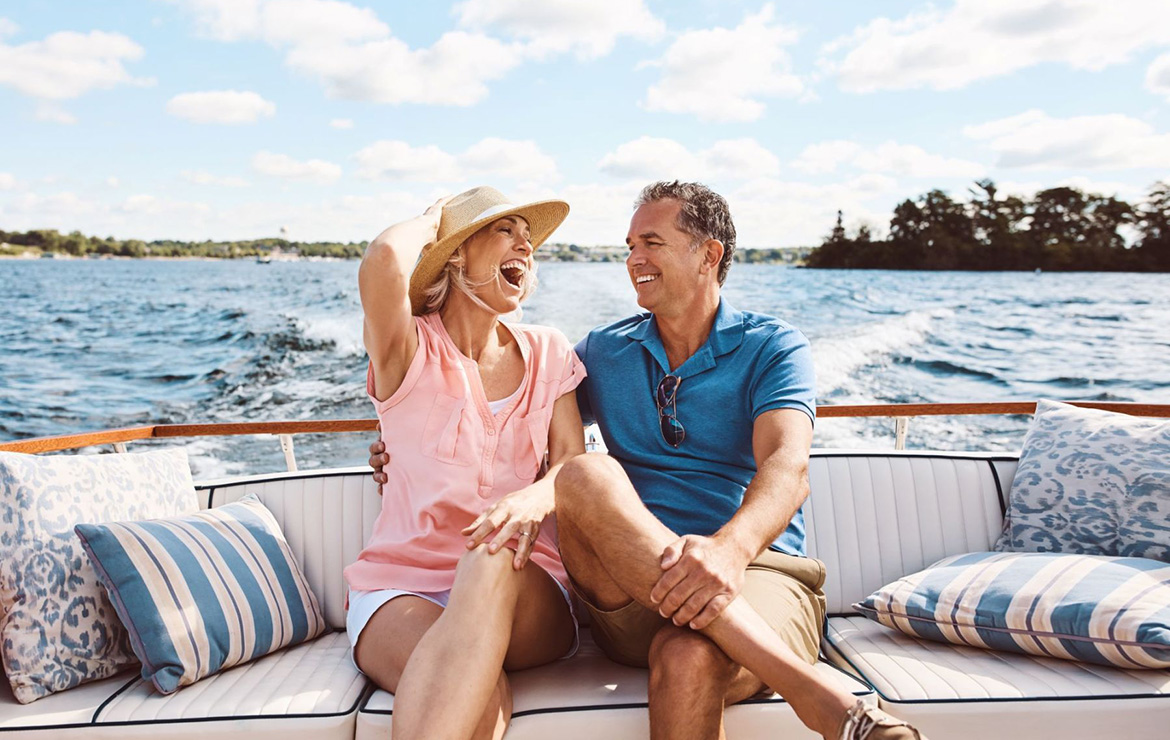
<point>353,54</point>
<point>1027,189</point>
<point>200,177</point>
<point>141,215</point>
<point>1158,76</point>
<point>978,39</point>
<point>454,71</point>
<point>7,181</point>
<point>221,106</point>
<point>7,27</point>
<point>519,160</point>
<point>1036,140</point>
<point>286,21</point>
<point>889,157</point>
<point>113,182</point>
<point>283,166</point>
<point>649,158</point>
<point>600,213</point>
<point>35,211</point>
<point>590,27</point>
<point>720,74</point>
<point>66,64</point>
<point>491,157</point>
<point>342,123</point>
<point>53,113</point>
<point>398,160</point>
<point>770,212</point>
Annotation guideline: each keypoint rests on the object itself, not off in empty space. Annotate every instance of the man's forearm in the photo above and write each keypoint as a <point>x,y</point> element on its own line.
<point>774,496</point>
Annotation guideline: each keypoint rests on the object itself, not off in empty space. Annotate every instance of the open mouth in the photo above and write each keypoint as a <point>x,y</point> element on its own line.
<point>513,271</point>
<point>643,279</point>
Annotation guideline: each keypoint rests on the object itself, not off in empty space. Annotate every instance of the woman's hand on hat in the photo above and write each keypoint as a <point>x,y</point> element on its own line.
<point>434,214</point>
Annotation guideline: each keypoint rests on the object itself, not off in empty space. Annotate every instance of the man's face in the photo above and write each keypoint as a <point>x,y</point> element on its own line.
<point>664,269</point>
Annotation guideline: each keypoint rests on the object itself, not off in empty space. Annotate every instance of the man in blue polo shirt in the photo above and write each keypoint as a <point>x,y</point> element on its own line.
<point>686,542</point>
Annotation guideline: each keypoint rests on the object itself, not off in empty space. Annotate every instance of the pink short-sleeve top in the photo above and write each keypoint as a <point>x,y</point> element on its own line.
<point>451,457</point>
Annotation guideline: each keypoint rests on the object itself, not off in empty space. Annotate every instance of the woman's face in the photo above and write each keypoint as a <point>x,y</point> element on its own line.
<point>500,256</point>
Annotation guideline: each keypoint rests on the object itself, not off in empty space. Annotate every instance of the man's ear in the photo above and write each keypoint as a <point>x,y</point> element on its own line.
<point>712,254</point>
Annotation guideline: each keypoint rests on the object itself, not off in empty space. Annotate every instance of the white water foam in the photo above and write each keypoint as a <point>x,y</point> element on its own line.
<point>836,358</point>
<point>344,331</point>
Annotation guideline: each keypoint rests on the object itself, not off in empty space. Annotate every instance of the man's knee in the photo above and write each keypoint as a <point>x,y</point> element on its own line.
<point>586,478</point>
<point>679,655</point>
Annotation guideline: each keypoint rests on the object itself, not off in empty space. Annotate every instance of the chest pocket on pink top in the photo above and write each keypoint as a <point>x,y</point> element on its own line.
<point>531,442</point>
<point>440,434</point>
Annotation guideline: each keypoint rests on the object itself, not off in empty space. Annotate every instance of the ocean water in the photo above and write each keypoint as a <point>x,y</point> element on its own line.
<point>88,345</point>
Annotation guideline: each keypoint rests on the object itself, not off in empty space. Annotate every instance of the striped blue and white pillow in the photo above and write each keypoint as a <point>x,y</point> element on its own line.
<point>1092,608</point>
<point>203,592</point>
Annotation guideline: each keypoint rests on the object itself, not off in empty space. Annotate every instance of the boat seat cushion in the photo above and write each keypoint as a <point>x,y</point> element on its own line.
<point>1110,611</point>
<point>58,628</point>
<point>203,592</point>
<point>587,697</point>
<point>311,690</point>
<point>1091,482</point>
<point>964,692</point>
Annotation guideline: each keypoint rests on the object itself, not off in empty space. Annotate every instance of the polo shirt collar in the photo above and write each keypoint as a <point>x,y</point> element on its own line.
<point>726,334</point>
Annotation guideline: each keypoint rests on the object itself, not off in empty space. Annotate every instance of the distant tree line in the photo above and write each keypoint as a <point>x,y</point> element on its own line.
<point>1057,229</point>
<point>79,245</point>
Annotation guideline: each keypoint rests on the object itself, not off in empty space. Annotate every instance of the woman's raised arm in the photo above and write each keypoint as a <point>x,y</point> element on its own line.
<point>384,283</point>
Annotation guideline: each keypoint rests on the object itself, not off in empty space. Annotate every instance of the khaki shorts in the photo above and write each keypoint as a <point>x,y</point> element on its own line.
<point>784,589</point>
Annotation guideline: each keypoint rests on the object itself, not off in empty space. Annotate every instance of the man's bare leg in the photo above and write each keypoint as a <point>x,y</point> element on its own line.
<point>611,544</point>
<point>691,682</point>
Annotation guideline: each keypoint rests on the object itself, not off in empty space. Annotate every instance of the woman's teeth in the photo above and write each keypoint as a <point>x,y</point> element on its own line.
<point>514,272</point>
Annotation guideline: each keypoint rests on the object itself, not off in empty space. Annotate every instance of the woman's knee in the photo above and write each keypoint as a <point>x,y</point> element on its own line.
<point>480,568</point>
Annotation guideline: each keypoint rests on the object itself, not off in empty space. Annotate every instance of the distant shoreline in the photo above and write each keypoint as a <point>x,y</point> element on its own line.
<point>547,253</point>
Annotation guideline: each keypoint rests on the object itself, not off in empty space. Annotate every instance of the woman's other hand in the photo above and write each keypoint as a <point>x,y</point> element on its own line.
<point>378,460</point>
<point>434,215</point>
<point>519,514</point>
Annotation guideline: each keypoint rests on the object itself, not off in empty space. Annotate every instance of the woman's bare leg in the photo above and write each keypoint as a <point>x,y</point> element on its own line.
<point>454,672</point>
<point>390,637</point>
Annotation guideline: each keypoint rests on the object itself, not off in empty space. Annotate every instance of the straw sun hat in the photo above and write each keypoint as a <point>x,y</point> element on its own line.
<point>466,214</point>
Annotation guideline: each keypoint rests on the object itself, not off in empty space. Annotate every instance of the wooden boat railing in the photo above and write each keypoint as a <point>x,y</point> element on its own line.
<point>284,430</point>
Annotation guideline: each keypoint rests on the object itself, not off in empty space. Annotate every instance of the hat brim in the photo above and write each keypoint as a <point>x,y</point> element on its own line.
<point>543,218</point>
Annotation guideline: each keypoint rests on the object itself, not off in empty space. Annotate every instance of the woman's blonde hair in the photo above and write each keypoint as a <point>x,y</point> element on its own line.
<point>454,277</point>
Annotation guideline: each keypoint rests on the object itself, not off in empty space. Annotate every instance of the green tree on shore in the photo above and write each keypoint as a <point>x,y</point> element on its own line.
<point>1059,228</point>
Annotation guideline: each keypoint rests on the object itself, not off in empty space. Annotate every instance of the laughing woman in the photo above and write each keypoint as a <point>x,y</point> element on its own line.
<point>460,581</point>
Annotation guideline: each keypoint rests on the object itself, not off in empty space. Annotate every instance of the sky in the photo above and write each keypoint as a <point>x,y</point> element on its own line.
<point>330,120</point>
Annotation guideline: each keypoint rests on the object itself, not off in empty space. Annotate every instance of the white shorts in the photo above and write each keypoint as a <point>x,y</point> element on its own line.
<point>363,604</point>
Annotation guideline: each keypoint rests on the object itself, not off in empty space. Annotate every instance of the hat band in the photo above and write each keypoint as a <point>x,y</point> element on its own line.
<point>493,210</point>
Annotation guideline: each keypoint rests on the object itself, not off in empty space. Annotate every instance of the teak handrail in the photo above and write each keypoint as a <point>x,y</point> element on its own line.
<point>899,411</point>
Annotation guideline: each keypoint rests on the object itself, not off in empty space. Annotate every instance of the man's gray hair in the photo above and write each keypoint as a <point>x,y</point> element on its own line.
<point>703,214</point>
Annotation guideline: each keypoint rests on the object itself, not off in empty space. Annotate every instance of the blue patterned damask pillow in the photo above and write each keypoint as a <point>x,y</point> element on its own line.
<point>204,592</point>
<point>1091,482</point>
<point>58,627</point>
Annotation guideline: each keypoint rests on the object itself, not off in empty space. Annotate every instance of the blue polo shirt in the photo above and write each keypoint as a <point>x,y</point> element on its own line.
<point>751,363</point>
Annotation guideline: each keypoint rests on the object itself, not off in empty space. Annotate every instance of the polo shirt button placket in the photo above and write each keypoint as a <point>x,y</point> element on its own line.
<point>489,454</point>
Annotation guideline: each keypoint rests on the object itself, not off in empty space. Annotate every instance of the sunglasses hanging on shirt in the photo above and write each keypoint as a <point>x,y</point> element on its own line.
<point>665,397</point>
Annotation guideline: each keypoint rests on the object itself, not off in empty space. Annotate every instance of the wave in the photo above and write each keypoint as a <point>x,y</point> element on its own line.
<point>945,368</point>
<point>836,358</point>
<point>343,334</point>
